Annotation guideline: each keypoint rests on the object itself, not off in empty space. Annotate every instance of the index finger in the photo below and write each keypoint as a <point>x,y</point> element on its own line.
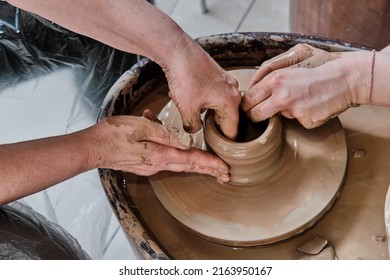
<point>256,94</point>
<point>227,119</point>
<point>293,56</point>
<point>142,129</point>
<point>158,133</point>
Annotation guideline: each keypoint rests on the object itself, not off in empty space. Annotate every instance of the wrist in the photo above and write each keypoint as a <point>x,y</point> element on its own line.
<point>359,68</point>
<point>183,50</point>
<point>95,146</point>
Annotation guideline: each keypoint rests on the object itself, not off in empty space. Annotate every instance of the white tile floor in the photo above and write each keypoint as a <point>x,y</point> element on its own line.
<point>93,224</point>
<point>228,16</point>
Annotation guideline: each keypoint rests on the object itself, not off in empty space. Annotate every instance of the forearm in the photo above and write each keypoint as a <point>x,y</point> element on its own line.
<point>137,145</point>
<point>31,166</point>
<point>381,81</point>
<point>133,26</point>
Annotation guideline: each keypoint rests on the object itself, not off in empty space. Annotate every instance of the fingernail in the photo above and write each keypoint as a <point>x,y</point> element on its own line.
<point>253,115</point>
<point>184,139</point>
<point>223,179</point>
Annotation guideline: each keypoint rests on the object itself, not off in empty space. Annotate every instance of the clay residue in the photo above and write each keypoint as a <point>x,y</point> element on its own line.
<point>313,246</point>
<point>240,215</point>
<point>357,215</point>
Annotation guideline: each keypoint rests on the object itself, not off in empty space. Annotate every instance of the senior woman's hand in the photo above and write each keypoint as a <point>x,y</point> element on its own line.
<point>196,83</point>
<point>143,146</point>
<point>139,145</point>
<point>310,84</point>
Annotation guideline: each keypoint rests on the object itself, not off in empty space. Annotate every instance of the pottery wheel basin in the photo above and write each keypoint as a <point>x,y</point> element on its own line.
<point>306,177</point>
<point>314,192</point>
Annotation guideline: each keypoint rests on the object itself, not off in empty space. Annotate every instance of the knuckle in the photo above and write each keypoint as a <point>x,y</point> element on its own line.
<point>277,80</point>
<point>254,114</point>
<point>302,47</point>
<point>278,85</point>
<point>231,81</point>
<point>236,97</point>
<point>168,135</point>
<point>308,119</point>
<point>248,100</point>
<point>284,101</point>
<point>285,97</point>
<point>265,68</point>
<point>266,64</point>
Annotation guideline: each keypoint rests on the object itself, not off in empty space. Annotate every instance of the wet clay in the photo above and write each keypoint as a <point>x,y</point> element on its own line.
<point>351,225</point>
<point>281,199</point>
<point>251,162</point>
<point>354,225</point>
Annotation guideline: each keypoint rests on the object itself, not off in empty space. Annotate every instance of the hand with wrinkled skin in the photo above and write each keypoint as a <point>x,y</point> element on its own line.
<point>140,145</point>
<point>313,85</point>
<point>200,83</point>
<point>147,147</point>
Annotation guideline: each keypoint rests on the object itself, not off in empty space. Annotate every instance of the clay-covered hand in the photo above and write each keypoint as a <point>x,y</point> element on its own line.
<point>196,83</point>
<point>309,84</point>
<point>143,146</point>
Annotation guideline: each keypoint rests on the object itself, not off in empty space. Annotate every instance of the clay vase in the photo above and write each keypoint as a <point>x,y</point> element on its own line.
<point>255,156</point>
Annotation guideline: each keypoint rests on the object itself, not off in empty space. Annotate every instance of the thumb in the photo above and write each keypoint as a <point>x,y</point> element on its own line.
<point>155,132</point>
<point>191,121</point>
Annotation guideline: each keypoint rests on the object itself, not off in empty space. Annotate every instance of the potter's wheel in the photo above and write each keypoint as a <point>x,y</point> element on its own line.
<point>303,189</point>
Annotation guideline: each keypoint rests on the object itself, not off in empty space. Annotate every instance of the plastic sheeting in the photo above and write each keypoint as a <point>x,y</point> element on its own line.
<point>52,82</point>
<point>31,47</point>
<point>27,235</point>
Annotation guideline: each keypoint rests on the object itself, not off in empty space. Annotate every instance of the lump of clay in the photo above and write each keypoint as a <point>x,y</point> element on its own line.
<point>317,248</point>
